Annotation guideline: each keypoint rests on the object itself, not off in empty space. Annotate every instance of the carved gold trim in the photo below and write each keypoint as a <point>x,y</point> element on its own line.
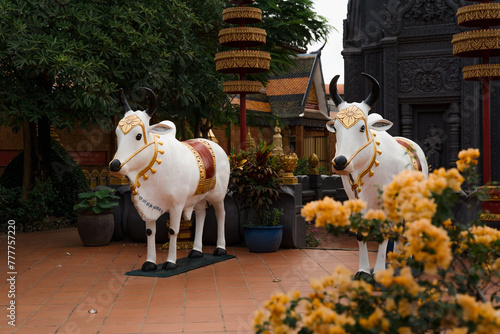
<point>410,150</point>
<point>242,36</point>
<point>181,245</point>
<point>252,61</point>
<point>494,198</point>
<point>476,15</point>
<point>242,86</point>
<point>489,217</point>
<point>475,42</point>
<point>480,71</point>
<point>491,197</point>
<point>238,14</point>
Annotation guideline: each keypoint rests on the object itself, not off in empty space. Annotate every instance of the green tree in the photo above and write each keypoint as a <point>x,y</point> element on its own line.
<point>63,61</point>
<point>290,25</point>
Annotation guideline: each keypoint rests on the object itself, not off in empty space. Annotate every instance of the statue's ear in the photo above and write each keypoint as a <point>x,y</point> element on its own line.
<point>331,126</point>
<point>163,128</point>
<point>378,123</point>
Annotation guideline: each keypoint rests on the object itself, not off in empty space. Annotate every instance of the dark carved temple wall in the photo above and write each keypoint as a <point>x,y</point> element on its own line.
<point>406,45</point>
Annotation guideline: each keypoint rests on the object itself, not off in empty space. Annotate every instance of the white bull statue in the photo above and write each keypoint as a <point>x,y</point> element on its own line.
<point>167,175</point>
<point>367,157</point>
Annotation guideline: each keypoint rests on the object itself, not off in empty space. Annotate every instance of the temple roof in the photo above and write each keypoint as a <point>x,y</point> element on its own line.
<point>300,92</point>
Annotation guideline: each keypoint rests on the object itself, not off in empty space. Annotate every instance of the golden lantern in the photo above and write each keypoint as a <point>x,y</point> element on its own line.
<point>242,61</point>
<point>483,43</point>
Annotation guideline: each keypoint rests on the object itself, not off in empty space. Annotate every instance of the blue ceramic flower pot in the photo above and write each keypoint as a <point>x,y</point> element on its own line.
<point>263,239</point>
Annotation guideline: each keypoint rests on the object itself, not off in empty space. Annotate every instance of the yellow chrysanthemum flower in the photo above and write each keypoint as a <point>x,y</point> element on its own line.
<point>384,277</point>
<point>428,244</point>
<point>405,308</point>
<point>375,214</point>
<point>374,320</point>
<point>355,205</point>
<point>496,265</point>
<point>404,330</point>
<point>476,311</point>
<point>467,158</point>
<point>407,197</point>
<point>437,184</point>
<point>258,318</point>
<point>406,280</point>
<point>327,211</point>
<point>483,234</point>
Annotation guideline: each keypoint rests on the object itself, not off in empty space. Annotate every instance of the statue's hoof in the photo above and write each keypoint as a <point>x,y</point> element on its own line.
<point>149,266</point>
<point>194,254</point>
<point>363,276</point>
<point>169,266</point>
<point>219,252</point>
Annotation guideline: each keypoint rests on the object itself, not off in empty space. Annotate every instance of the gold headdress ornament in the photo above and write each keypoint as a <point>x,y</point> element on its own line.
<point>350,116</point>
<point>128,123</point>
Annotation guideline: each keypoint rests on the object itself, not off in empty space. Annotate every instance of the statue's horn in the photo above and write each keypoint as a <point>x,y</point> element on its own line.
<point>152,101</point>
<point>123,101</point>
<point>333,91</point>
<point>374,94</point>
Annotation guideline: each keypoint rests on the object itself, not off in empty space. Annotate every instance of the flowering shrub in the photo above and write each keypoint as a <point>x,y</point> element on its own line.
<point>445,276</point>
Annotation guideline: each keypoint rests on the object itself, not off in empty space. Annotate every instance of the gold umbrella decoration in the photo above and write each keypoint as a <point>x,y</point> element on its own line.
<point>483,43</point>
<point>242,61</point>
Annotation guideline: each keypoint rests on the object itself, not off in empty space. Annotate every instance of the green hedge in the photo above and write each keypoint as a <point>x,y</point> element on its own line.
<point>54,197</point>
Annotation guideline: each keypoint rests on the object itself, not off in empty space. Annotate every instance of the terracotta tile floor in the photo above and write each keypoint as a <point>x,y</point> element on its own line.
<point>58,281</point>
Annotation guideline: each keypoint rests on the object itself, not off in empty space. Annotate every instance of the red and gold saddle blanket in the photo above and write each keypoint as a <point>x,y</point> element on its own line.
<point>205,158</point>
<point>412,153</point>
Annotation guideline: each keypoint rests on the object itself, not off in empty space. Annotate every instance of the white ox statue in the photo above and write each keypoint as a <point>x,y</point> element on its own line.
<point>167,175</point>
<point>367,157</point>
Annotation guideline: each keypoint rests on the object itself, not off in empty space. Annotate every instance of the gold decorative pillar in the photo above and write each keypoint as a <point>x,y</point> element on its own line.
<point>242,61</point>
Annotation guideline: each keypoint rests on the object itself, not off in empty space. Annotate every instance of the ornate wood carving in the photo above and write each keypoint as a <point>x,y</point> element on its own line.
<point>252,61</point>
<point>406,120</point>
<point>479,71</point>
<point>242,36</point>
<point>453,119</point>
<point>418,13</point>
<point>429,75</point>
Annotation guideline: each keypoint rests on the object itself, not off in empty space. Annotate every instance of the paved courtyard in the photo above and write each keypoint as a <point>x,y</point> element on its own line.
<point>59,283</point>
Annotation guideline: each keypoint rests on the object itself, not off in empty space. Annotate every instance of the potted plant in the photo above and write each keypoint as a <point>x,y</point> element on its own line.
<point>255,182</point>
<point>266,236</point>
<point>95,216</point>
